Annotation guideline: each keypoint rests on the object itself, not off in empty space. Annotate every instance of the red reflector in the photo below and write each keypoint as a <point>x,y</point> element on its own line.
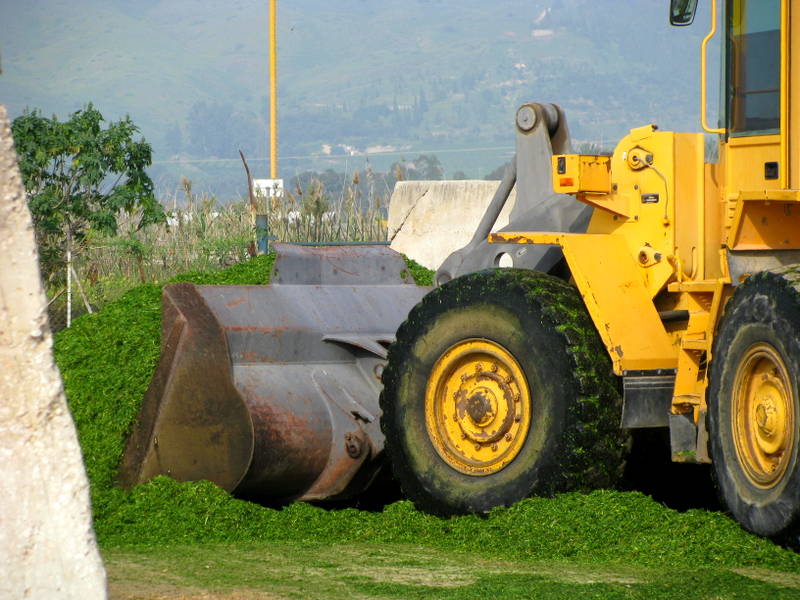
<point>565,181</point>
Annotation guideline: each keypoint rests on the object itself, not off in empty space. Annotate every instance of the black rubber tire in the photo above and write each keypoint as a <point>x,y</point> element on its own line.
<point>765,309</point>
<point>574,442</point>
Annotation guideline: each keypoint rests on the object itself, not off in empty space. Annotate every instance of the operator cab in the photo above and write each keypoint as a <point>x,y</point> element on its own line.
<point>755,112</point>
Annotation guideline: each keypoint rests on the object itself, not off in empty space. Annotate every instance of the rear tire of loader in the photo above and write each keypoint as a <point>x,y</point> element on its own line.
<point>498,388</point>
<point>754,407</point>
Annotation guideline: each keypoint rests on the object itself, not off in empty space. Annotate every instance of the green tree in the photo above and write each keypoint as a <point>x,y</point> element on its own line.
<point>428,167</point>
<point>80,174</point>
<point>425,167</point>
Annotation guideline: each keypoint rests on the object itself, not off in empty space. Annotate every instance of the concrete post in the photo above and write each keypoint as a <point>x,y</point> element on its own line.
<point>428,220</point>
<point>47,545</point>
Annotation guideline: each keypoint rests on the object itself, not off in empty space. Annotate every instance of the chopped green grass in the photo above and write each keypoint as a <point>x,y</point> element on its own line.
<point>421,275</point>
<point>107,359</point>
<point>604,526</point>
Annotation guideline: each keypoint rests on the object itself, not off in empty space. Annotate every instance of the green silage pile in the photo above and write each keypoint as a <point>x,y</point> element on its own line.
<point>421,275</point>
<point>602,526</point>
<point>107,359</point>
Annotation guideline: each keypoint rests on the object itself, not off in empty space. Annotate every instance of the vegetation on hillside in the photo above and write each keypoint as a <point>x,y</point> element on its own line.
<point>370,185</point>
<point>409,77</point>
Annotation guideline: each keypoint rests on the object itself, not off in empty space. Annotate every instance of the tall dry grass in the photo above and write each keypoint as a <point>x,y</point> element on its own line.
<point>202,234</point>
<point>309,215</point>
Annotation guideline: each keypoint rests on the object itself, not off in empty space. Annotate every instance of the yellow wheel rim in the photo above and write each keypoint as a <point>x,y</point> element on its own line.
<point>763,416</point>
<point>477,407</point>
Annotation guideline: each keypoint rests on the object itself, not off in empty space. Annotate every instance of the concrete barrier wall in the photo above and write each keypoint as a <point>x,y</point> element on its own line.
<point>47,546</point>
<point>428,220</point>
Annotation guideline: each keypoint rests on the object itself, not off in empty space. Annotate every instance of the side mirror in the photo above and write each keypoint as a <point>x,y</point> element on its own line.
<point>681,12</point>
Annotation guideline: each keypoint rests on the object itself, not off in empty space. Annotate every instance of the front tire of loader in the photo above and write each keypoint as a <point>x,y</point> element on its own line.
<point>754,407</point>
<point>499,388</point>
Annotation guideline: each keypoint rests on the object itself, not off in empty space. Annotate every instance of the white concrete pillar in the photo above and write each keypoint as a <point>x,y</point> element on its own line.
<point>47,545</point>
<point>428,220</point>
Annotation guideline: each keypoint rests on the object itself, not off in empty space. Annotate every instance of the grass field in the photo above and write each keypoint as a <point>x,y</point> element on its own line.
<point>175,540</point>
<point>171,540</point>
<point>364,570</point>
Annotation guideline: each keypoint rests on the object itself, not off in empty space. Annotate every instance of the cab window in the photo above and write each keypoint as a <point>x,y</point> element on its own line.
<point>754,57</point>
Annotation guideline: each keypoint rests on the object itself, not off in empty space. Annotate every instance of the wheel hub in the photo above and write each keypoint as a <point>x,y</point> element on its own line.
<point>477,407</point>
<point>770,419</point>
<point>764,415</point>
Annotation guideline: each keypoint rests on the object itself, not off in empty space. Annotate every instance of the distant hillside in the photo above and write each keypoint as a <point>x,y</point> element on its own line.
<point>355,75</point>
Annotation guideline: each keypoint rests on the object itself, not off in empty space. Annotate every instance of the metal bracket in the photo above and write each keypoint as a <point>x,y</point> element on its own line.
<point>541,132</point>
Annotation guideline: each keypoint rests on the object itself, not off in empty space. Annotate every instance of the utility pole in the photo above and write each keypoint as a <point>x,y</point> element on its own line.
<point>271,188</point>
<point>273,90</point>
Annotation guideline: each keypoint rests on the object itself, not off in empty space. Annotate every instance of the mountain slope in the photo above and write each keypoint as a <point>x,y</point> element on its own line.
<point>412,76</point>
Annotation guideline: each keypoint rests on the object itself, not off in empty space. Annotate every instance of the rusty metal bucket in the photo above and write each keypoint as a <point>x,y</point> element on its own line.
<point>271,391</point>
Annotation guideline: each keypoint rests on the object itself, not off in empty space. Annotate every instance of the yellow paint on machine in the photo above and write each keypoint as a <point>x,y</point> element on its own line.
<point>612,299</point>
<point>583,173</point>
<point>766,220</point>
<point>477,407</point>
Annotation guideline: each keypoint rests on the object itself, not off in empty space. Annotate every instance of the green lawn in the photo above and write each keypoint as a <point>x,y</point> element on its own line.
<point>400,571</point>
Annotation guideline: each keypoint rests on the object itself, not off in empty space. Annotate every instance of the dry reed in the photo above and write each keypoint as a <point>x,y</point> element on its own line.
<point>202,234</point>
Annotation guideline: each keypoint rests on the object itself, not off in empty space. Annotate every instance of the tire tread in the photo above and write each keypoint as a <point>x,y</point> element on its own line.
<point>770,297</point>
<point>596,445</point>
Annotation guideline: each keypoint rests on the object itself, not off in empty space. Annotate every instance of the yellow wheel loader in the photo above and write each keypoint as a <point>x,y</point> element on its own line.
<point>648,272</point>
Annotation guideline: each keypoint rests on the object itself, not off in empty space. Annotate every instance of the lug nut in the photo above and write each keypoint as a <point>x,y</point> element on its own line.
<point>494,367</point>
<point>494,447</point>
<point>508,437</point>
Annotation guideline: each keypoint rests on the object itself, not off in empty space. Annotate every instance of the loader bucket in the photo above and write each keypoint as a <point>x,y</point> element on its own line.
<point>271,391</point>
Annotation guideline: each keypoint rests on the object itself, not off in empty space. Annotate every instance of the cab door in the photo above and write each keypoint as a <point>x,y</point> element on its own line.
<point>755,152</point>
